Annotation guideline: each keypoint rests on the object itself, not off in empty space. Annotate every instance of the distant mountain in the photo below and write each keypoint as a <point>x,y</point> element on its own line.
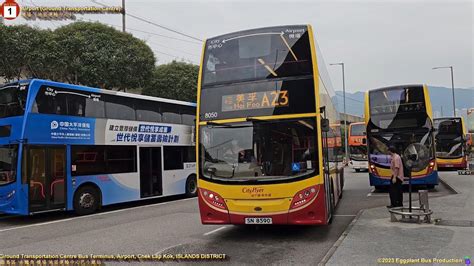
<point>441,101</point>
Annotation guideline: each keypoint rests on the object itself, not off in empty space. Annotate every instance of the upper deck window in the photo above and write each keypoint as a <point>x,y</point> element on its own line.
<point>357,130</point>
<point>399,107</point>
<point>257,54</point>
<point>13,100</point>
<point>61,101</point>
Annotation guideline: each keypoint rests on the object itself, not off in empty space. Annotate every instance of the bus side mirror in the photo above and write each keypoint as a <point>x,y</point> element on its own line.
<point>325,125</point>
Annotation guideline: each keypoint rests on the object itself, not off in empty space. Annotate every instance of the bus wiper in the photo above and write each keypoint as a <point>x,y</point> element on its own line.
<point>251,119</point>
<point>210,123</point>
<point>268,68</point>
<point>288,46</point>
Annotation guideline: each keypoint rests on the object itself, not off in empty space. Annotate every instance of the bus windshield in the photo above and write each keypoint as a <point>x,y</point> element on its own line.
<point>12,100</point>
<point>449,141</point>
<point>8,156</point>
<point>400,107</point>
<point>357,130</point>
<point>358,152</point>
<point>257,54</point>
<point>259,150</point>
<point>379,143</point>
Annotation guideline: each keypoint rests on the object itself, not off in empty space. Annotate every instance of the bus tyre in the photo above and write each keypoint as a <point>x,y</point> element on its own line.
<point>357,170</point>
<point>191,186</point>
<point>86,200</point>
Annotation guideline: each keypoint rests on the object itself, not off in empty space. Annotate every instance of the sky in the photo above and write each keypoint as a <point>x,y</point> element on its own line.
<point>380,42</point>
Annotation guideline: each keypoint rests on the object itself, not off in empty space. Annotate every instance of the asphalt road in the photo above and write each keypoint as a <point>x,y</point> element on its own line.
<point>173,227</point>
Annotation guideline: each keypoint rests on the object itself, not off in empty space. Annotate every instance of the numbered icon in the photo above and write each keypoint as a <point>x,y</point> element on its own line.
<point>10,10</point>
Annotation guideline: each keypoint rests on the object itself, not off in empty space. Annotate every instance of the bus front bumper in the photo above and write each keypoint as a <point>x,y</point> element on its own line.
<point>431,179</point>
<point>359,165</point>
<point>312,214</point>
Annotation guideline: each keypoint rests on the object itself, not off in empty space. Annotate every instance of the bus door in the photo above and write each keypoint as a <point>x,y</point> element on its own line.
<point>326,167</point>
<point>150,172</point>
<point>46,175</point>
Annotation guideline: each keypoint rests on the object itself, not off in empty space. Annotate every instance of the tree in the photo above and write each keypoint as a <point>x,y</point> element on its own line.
<point>26,52</point>
<point>100,56</point>
<point>176,80</point>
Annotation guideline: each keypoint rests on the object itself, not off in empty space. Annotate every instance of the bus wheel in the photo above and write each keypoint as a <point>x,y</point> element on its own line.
<point>191,186</point>
<point>86,200</point>
<point>357,170</point>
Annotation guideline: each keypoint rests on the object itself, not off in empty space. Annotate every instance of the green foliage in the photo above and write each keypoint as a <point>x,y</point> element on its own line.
<point>176,80</point>
<point>101,56</point>
<point>23,51</point>
<point>91,54</point>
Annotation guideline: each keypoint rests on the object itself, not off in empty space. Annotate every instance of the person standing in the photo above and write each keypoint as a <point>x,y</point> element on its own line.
<point>396,180</point>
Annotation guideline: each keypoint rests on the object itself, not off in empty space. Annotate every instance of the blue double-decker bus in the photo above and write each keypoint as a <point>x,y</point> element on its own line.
<point>68,147</point>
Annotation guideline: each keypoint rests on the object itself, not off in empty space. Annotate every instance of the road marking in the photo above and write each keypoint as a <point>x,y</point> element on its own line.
<point>345,215</point>
<point>92,215</point>
<point>215,230</point>
<point>338,242</point>
<point>163,250</point>
<point>376,195</point>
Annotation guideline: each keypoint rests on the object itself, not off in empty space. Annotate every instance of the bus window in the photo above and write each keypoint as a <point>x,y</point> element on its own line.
<point>95,108</point>
<point>188,115</point>
<point>170,114</point>
<point>121,159</point>
<point>50,101</point>
<point>119,108</point>
<point>148,111</point>
<point>176,156</point>
<point>94,160</point>
<point>87,160</point>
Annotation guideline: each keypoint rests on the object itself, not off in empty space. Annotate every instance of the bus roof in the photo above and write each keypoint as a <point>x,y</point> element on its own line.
<point>98,90</point>
<point>254,29</point>
<point>448,118</point>
<point>396,86</point>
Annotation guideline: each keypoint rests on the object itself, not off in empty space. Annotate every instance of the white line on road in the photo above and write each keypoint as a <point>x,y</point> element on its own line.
<point>376,195</point>
<point>215,230</point>
<point>92,215</point>
<point>163,250</point>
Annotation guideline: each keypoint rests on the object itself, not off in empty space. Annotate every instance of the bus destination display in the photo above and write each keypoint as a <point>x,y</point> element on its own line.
<point>255,100</point>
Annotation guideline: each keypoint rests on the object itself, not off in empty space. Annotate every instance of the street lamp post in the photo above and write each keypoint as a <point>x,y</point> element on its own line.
<point>344,107</point>
<point>452,86</point>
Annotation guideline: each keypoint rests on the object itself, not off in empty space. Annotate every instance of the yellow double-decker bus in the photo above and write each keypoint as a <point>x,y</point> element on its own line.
<point>451,140</point>
<point>263,127</point>
<point>400,116</point>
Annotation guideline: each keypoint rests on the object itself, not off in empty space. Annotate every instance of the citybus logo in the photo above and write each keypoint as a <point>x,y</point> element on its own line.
<point>252,190</point>
<point>9,9</point>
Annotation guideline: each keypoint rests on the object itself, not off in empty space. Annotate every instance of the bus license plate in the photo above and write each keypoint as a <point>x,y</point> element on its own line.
<point>259,220</point>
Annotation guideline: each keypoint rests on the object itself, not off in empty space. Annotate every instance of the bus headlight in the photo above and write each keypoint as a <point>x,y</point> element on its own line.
<point>11,194</point>
<point>213,199</point>
<point>304,197</point>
